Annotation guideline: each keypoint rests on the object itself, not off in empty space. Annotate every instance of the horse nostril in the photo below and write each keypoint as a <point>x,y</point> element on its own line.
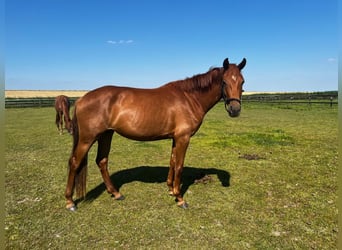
<point>234,108</point>
<point>234,111</point>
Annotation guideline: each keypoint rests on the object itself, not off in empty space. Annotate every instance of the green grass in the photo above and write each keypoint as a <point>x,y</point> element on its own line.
<point>287,199</point>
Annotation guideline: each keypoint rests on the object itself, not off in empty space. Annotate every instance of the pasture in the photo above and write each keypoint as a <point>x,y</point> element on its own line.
<point>264,180</point>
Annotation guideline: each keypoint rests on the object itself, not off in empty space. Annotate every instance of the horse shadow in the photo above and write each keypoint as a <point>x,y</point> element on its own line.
<point>158,174</point>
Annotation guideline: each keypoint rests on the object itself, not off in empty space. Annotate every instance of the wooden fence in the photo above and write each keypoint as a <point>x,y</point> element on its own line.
<point>330,102</point>
<point>271,99</point>
<point>33,102</point>
<point>326,98</point>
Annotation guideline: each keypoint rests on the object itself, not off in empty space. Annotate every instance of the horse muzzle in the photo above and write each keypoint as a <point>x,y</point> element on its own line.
<point>233,107</point>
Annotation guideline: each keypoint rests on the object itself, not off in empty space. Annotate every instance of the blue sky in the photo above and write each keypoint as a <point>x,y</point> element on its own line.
<point>81,45</point>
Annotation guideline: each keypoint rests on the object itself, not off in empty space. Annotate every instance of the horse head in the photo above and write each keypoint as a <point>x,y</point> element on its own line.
<point>232,82</point>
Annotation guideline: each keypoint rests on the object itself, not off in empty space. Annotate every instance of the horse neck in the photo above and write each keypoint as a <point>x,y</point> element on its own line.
<point>212,95</point>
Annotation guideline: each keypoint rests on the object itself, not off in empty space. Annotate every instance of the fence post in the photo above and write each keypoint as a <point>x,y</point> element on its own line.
<point>331,101</point>
<point>310,101</point>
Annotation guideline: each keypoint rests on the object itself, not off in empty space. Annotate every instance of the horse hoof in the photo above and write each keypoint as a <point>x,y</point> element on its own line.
<point>72,209</point>
<point>120,198</point>
<point>183,205</point>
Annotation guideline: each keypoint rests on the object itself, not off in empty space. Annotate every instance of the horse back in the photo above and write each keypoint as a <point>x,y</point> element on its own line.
<point>61,102</point>
<point>140,114</point>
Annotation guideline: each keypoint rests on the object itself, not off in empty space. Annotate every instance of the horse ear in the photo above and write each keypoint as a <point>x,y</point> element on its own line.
<point>242,64</point>
<point>226,64</point>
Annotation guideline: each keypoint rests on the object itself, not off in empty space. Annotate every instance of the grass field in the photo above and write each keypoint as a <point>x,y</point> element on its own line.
<point>272,185</point>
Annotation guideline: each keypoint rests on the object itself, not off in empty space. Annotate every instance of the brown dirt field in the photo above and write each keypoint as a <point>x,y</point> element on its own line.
<point>43,93</point>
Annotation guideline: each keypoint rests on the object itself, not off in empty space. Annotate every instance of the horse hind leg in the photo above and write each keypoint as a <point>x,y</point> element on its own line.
<point>58,122</point>
<point>62,125</point>
<point>170,176</point>
<point>77,174</point>
<point>104,143</point>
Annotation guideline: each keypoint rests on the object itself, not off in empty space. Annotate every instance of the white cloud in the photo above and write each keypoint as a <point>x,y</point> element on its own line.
<point>332,59</point>
<point>120,41</point>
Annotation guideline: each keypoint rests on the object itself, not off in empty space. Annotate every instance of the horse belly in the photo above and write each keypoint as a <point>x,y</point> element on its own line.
<point>144,133</point>
<point>143,127</point>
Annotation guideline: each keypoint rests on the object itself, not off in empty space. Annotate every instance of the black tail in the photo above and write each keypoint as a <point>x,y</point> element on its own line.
<point>81,175</point>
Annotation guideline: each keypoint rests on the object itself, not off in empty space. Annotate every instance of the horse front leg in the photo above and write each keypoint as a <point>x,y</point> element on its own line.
<point>181,145</point>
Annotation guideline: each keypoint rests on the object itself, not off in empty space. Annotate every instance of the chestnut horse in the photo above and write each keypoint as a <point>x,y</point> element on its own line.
<point>62,106</point>
<point>173,111</point>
